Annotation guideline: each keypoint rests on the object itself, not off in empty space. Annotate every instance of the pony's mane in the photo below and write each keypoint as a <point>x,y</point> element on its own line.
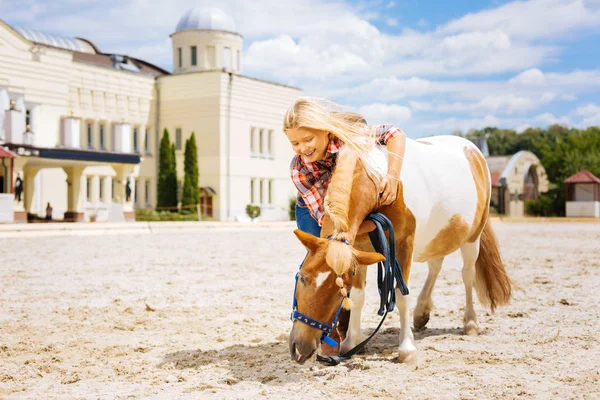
<point>337,204</point>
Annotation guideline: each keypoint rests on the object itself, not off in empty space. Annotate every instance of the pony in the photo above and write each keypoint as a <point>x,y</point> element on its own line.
<point>444,190</point>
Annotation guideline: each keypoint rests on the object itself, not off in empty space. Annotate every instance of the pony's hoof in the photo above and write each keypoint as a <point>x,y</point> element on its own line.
<point>407,353</point>
<point>471,328</point>
<point>347,345</point>
<point>421,320</point>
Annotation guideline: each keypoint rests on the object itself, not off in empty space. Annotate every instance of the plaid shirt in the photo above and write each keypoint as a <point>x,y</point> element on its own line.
<point>312,178</point>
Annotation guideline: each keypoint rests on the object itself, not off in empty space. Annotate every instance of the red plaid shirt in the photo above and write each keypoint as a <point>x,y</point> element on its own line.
<point>312,178</point>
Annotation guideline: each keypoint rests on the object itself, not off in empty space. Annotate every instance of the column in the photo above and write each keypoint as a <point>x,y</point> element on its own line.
<point>124,172</point>
<point>4,105</point>
<point>76,193</point>
<point>95,195</point>
<point>29,189</point>
<point>18,184</point>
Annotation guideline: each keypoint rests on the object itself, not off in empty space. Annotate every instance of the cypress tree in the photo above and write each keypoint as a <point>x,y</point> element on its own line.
<point>167,173</point>
<point>164,164</point>
<point>190,180</point>
<point>172,178</point>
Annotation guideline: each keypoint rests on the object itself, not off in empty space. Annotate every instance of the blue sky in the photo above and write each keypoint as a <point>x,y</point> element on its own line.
<point>430,67</point>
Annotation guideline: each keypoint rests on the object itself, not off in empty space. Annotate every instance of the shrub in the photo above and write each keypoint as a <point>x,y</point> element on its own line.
<point>253,211</point>
<point>292,208</point>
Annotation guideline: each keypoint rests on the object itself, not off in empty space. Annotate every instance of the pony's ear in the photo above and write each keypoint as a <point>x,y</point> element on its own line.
<point>309,241</point>
<point>368,257</point>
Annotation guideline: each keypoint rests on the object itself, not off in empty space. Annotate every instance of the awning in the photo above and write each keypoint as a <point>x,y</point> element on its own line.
<point>208,190</point>
<point>75,154</point>
<point>5,153</point>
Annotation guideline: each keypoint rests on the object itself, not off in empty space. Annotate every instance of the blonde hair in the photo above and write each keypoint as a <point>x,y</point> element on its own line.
<point>324,115</point>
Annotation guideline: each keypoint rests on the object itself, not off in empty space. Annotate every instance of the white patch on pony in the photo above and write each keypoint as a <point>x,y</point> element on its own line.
<point>377,160</point>
<point>322,277</point>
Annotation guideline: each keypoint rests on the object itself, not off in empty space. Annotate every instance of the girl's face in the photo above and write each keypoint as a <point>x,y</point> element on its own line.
<point>310,143</point>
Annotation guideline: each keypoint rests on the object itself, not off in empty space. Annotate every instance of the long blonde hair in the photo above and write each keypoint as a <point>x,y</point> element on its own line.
<point>325,115</point>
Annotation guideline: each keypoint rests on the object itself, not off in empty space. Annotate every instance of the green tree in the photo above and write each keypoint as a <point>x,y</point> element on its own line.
<point>190,168</point>
<point>173,177</point>
<point>167,174</point>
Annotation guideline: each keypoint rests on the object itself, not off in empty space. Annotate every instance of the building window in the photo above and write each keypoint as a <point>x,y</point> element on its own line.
<point>147,192</point>
<point>270,191</point>
<point>146,141</point>
<point>28,117</point>
<point>178,139</point>
<point>135,193</point>
<point>88,189</point>
<point>252,142</point>
<point>194,55</point>
<point>261,141</point>
<point>180,56</point>
<point>261,187</point>
<point>239,61</point>
<point>102,139</point>
<point>252,195</point>
<point>136,148</point>
<point>101,190</point>
<point>270,142</point>
<point>227,58</point>
<point>90,136</point>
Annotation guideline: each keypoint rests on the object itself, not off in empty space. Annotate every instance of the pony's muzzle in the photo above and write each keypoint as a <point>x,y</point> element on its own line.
<point>301,345</point>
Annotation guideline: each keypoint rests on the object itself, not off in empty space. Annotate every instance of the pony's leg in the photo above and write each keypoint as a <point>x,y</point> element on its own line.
<point>470,252</point>
<point>357,295</point>
<point>354,334</point>
<point>407,350</point>
<point>424,303</point>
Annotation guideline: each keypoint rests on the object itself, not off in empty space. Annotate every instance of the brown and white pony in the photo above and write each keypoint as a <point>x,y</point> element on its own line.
<point>442,206</point>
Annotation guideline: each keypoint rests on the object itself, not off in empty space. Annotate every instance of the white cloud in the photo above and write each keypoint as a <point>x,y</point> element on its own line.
<point>494,40</point>
<point>587,111</point>
<point>391,22</point>
<point>532,76</point>
<point>531,20</point>
<point>590,114</point>
<point>550,119</point>
<point>454,124</point>
<point>378,113</point>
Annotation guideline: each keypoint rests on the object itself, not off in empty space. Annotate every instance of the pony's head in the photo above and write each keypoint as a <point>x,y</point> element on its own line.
<point>323,283</point>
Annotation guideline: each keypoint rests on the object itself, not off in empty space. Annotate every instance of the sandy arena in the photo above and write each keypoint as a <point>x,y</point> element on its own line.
<point>205,314</point>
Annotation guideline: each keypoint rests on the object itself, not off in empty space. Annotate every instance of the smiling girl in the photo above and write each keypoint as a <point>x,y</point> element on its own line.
<point>317,129</point>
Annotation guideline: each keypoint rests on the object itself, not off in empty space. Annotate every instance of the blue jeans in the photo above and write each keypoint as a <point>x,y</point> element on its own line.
<point>305,221</point>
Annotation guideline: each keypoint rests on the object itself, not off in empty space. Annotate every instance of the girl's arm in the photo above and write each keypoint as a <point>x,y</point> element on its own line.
<point>389,185</point>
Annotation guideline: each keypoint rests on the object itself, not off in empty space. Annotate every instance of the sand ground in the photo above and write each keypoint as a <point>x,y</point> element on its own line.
<point>204,314</point>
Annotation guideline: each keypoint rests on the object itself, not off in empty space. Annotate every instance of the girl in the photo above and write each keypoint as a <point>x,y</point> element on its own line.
<point>317,129</point>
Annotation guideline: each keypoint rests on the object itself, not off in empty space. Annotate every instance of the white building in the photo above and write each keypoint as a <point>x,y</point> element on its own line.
<point>86,125</point>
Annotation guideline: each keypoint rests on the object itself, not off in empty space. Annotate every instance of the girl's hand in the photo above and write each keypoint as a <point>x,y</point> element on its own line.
<point>389,191</point>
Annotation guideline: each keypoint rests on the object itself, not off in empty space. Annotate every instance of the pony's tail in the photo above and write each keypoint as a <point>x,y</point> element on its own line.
<point>492,283</point>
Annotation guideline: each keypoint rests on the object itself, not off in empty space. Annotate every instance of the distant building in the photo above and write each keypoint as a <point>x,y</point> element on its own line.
<point>583,195</point>
<point>86,124</point>
<point>515,179</point>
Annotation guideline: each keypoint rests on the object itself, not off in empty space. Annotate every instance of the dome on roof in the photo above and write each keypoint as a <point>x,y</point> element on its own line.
<point>206,18</point>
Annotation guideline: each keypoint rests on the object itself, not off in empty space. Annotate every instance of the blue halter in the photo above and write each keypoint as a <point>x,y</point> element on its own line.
<point>313,323</point>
